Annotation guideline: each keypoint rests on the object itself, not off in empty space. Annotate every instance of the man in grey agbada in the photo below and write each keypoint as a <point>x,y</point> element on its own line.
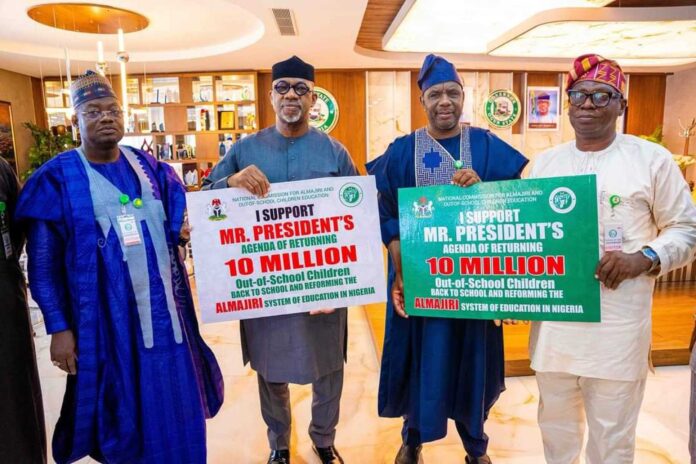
<point>297,348</point>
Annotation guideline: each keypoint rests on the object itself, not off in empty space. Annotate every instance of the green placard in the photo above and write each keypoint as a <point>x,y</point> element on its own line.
<point>519,249</point>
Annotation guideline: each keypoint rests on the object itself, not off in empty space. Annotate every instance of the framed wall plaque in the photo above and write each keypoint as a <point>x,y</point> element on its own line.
<point>226,118</point>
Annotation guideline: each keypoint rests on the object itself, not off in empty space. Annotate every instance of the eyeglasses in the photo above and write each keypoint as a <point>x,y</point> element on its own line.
<point>283,87</point>
<point>600,99</point>
<point>94,114</point>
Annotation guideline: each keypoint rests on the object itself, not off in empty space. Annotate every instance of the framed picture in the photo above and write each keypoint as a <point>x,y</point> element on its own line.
<point>543,108</point>
<point>7,143</point>
<point>226,118</point>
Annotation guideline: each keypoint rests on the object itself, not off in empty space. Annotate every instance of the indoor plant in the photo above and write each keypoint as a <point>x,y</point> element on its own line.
<point>46,146</point>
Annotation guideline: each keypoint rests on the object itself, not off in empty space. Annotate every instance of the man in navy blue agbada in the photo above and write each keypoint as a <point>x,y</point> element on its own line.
<point>435,368</point>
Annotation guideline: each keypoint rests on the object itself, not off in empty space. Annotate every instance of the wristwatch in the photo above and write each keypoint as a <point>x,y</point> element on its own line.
<point>652,256</point>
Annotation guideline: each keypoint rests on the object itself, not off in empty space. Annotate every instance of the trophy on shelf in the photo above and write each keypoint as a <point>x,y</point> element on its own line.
<point>147,147</point>
<point>685,160</point>
<point>181,152</point>
<point>687,132</point>
<point>142,125</point>
<point>250,121</point>
<point>164,151</point>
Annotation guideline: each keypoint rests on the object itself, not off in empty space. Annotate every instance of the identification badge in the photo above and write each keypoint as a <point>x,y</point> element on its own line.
<point>129,229</point>
<point>5,231</point>
<point>7,243</point>
<point>613,237</point>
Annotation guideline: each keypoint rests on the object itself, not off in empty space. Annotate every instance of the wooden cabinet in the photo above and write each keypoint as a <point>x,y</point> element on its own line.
<point>187,119</point>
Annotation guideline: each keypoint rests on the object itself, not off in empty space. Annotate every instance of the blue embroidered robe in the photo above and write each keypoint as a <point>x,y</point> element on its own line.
<point>127,403</point>
<point>435,368</point>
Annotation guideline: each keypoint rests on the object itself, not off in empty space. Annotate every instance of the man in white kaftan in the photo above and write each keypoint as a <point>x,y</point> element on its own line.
<point>597,371</point>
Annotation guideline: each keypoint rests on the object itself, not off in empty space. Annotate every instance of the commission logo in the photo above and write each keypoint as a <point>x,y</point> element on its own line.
<point>350,194</point>
<point>562,200</point>
<point>423,208</point>
<point>502,109</point>
<point>217,210</point>
<point>324,114</point>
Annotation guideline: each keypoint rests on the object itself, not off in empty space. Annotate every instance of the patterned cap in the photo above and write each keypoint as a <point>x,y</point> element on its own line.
<point>596,68</point>
<point>90,86</point>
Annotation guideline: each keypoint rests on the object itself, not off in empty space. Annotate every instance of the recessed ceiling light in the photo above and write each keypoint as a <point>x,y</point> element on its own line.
<point>649,39</point>
<point>459,26</point>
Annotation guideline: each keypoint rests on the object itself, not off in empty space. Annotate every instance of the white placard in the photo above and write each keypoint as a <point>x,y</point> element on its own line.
<point>308,245</point>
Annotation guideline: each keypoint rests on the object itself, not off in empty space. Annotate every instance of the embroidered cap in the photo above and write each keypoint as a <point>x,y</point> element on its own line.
<point>90,86</point>
<point>593,67</point>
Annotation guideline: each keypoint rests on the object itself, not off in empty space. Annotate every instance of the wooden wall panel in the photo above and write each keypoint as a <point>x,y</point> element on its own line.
<point>39,106</point>
<point>418,117</point>
<point>518,89</point>
<point>349,89</point>
<point>548,79</point>
<point>18,90</point>
<point>185,89</point>
<point>646,103</point>
<point>176,119</point>
<point>207,146</point>
<point>263,103</point>
<point>351,130</point>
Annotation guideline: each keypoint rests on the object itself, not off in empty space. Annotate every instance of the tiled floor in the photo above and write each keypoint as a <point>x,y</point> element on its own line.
<point>237,434</point>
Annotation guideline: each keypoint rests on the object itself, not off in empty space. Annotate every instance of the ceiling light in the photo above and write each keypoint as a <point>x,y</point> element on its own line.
<point>87,17</point>
<point>458,26</point>
<point>627,39</point>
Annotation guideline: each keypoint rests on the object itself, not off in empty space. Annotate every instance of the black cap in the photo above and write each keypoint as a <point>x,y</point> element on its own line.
<point>293,67</point>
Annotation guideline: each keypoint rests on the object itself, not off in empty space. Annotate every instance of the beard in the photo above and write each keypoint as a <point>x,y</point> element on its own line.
<point>292,119</point>
<point>289,113</point>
